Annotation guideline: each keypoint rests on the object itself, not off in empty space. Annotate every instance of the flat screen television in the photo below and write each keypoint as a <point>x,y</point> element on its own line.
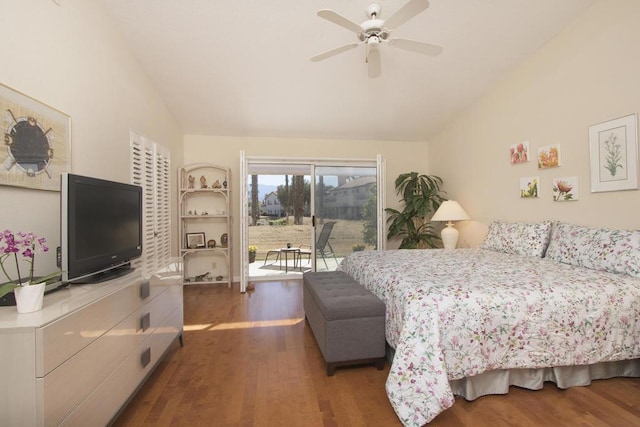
<point>101,228</point>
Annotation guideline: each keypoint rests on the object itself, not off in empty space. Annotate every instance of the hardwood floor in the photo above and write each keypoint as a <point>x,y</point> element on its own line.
<point>251,360</point>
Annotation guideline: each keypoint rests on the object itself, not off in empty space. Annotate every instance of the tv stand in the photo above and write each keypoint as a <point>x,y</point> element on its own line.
<point>79,359</point>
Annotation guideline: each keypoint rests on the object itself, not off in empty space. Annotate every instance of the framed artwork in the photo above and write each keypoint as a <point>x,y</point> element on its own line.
<point>549,156</point>
<point>519,153</point>
<point>195,240</point>
<point>529,187</point>
<point>565,189</point>
<point>37,142</point>
<point>613,148</point>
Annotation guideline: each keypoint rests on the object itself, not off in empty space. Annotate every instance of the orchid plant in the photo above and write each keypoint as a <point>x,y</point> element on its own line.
<point>26,245</point>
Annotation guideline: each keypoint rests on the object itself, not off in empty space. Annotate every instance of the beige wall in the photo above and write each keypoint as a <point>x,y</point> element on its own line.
<point>586,75</point>
<point>225,151</point>
<point>70,57</point>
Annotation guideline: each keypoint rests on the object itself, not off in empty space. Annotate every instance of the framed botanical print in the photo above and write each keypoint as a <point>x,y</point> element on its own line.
<point>613,148</point>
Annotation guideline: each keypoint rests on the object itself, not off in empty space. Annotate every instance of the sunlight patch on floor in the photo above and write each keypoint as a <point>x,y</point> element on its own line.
<point>244,325</point>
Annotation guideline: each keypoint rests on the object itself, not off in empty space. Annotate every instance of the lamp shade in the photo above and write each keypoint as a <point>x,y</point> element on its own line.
<point>450,210</point>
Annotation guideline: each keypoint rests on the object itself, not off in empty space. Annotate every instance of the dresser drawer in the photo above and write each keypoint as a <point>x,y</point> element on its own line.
<point>65,337</point>
<point>102,356</point>
<point>103,403</point>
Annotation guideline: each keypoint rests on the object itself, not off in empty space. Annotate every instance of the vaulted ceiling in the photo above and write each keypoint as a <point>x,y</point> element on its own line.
<point>242,67</point>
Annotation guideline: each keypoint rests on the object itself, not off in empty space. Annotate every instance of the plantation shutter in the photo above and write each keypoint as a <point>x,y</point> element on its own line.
<point>162,206</point>
<point>150,169</point>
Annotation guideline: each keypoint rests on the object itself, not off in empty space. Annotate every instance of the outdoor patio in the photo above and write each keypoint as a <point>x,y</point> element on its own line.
<point>259,269</point>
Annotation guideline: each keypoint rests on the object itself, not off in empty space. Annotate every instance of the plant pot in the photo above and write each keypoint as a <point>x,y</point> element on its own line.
<point>29,298</point>
<point>252,257</point>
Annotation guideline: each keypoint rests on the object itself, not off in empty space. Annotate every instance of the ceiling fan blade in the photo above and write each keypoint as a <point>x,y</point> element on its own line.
<point>373,62</point>
<point>333,52</point>
<point>406,12</point>
<point>336,18</point>
<point>416,46</point>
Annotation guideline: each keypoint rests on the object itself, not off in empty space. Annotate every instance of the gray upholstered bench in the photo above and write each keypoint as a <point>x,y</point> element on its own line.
<point>346,319</point>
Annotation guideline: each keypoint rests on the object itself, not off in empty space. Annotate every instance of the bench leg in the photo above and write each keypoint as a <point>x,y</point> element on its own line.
<point>378,362</point>
<point>331,369</point>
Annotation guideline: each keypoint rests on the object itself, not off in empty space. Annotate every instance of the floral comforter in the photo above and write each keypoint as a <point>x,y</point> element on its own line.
<point>455,314</point>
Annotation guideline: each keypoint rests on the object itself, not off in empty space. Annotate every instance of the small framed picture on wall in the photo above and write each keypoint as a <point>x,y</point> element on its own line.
<point>519,153</point>
<point>530,187</point>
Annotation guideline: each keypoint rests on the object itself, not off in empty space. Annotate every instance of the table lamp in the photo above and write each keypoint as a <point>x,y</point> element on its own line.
<point>449,211</point>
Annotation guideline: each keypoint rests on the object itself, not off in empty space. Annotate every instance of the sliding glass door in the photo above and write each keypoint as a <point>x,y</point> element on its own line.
<point>302,215</point>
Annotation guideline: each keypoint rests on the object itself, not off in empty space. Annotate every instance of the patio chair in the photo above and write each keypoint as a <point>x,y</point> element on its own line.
<point>274,251</point>
<point>323,246</point>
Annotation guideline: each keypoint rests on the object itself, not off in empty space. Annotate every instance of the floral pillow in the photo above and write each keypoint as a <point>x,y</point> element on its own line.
<point>615,251</point>
<point>518,238</point>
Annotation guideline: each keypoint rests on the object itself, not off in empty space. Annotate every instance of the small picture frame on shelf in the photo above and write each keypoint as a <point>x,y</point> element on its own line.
<point>195,240</point>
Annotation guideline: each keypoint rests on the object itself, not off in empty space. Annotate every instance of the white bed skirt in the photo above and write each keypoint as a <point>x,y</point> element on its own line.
<point>498,382</point>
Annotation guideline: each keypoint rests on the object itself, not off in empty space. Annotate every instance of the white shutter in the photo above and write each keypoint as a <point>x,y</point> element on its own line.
<point>150,168</point>
<point>162,206</point>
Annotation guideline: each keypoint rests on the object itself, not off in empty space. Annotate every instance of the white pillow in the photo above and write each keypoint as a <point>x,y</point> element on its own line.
<point>615,251</point>
<point>529,239</point>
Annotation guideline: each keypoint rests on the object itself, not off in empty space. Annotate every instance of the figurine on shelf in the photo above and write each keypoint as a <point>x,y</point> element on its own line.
<point>204,213</point>
<point>203,277</point>
<point>224,240</point>
<point>211,243</point>
<point>224,183</point>
<point>203,182</point>
<point>192,181</point>
<point>216,184</point>
<point>219,278</point>
<point>190,213</point>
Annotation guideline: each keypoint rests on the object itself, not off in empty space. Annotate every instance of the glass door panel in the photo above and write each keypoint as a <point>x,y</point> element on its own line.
<point>278,220</point>
<point>345,212</point>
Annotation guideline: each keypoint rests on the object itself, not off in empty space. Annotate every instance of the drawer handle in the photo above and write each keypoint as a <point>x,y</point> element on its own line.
<point>145,290</point>
<point>145,322</point>
<point>145,358</point>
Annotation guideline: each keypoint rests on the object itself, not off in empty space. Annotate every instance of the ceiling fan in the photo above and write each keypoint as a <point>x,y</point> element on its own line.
<point>375,31</point>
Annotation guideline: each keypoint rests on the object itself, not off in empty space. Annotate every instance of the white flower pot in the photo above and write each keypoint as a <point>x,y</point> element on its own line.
<point>29,298</point>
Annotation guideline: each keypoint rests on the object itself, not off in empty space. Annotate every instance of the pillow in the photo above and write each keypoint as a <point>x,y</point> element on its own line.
<point>518,238</point>
<point>615,251</point>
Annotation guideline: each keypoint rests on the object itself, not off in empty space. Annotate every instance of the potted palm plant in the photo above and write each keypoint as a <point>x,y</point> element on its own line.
<point>421,196</point>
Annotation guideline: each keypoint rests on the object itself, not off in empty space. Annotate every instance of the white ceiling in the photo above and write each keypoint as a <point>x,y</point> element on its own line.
<point>242,68</point>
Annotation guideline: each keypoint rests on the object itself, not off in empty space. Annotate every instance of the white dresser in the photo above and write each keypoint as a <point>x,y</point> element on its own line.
<point>78,360</point>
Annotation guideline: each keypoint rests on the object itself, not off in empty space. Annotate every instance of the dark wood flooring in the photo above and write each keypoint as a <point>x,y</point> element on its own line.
<point>251,360</point>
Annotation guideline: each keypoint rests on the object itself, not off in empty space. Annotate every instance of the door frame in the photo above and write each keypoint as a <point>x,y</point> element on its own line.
<point>246,161</point>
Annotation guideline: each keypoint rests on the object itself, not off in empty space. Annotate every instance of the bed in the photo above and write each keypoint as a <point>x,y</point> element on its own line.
<point>471,322</point>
